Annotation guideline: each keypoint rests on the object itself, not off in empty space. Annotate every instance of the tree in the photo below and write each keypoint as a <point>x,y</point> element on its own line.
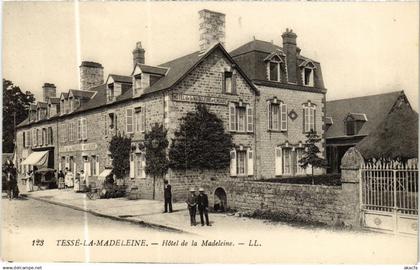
<point>200,142</point>
<point>120,147</point>
<point>310,153</point>
<point>15,109</point>
<point>156,144</point>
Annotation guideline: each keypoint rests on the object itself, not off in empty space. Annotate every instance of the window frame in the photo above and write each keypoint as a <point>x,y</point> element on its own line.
<point>279,117</point>
<point>309,117</point>
<point>129,120</point>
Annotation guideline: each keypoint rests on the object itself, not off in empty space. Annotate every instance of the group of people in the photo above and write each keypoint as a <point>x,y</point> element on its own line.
<point>194,202</point>
<point>66,179</point>
<point>10,179</point>
<point>200,202</point>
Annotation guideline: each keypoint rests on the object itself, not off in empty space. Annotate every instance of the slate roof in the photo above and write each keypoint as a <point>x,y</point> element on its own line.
<point>175,70</point>
<point>263,46</point>
<point>121,78</point>
<point>98,100</point>
<point>24,122</point>
<point>256,45</point>
<point>54,100</point>
<point>395,137</point>
<point>41,104</point>
<point>81,93</point>
<point>153,70</point>
<point>358,116</point>
<point>376,108</point>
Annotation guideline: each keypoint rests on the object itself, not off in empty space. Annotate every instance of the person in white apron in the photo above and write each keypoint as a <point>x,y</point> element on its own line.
<point>76,186</point>
<point>68,179</point>
<point>29,181</point>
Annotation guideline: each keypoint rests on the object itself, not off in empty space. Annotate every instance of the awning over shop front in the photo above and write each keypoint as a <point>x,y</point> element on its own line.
<point>104,174</point>
<point>39,158</point>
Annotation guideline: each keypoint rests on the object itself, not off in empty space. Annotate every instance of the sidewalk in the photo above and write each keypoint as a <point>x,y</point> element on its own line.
<point>147,212</point>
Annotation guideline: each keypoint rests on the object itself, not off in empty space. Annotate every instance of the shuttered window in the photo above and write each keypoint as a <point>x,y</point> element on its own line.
<point>277,116</point>
<point>250,119</point>
<point>309,118</point>
<point>140,115</point>
<point>287,161</point>
<point>129,120</point>
<point>84,128</point>
<point>241,118</point>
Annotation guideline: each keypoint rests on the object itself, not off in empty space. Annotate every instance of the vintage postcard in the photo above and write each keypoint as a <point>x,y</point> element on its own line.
<point>210,132</point>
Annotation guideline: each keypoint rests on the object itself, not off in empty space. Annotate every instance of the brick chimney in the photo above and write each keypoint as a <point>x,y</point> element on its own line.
<point>290,49</point>
<point>138,54</point>
<point>212,29</point>
<point>48,91</point>
<point>91,75</point>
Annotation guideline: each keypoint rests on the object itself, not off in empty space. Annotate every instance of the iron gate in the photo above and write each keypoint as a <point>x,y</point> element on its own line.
<point>389,197</point>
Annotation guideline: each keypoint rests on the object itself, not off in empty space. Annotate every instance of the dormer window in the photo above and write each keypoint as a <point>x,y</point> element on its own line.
<point>274,66</point>
<point>137,83</point>
<point>274,71</point>
<point>110,91</point>
<point>354,123</point>
<point>308,73</point>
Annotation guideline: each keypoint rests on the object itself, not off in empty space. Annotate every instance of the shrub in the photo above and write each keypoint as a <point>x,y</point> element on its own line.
<point>200,142</point>
<point>120,148</point>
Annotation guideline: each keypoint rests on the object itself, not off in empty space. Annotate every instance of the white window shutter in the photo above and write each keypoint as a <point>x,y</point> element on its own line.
<point>129,120</point>
<point>268,115</point>
<point>143,119</point>
<point>278,160</point>
<point>250,118</point>
<point>233,163</point>
<point>106,125</point>
<point>143,165</point>
<point>232,117</point>
<point>84,129</point>
<point>59,166</point>
<point>283,117</point>
<point>75,168</point>
<point>250,155</point>
<point>131,165</point>
<point>97,164</point>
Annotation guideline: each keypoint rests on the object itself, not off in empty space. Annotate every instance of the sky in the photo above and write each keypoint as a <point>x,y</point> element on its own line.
<point>364,48</point>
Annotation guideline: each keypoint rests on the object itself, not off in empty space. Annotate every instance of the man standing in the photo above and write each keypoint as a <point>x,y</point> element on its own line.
<point>167,194</point>
<point>203,206</point>
<point>192,206</point>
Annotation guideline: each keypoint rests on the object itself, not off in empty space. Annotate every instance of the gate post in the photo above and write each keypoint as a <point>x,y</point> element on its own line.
<point>351,187</point>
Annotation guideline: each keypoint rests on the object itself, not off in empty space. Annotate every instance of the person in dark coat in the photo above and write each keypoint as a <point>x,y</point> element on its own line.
<point>192,206</point>
<point>167,194</point>
<point>203,206</point>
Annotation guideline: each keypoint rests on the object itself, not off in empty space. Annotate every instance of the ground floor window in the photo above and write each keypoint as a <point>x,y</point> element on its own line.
<point>241,162</point>
<point>287,161</point>
<point>140,165</point>
<point>94,165</point>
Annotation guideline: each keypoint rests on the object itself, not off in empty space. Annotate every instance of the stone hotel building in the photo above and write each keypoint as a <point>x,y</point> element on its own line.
<point>268,97</point>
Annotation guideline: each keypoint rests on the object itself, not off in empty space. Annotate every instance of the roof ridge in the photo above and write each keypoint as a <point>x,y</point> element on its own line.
<point>367,96</point>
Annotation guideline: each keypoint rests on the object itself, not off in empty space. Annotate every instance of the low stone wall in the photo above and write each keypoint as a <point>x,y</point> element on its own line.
<point>332,205</point>
<point>325,204</point>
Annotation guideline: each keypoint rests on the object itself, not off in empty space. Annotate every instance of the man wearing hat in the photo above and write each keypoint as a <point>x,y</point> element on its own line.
<point>192,206</point>
<point>203,206</point>
<point>167,195</point>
